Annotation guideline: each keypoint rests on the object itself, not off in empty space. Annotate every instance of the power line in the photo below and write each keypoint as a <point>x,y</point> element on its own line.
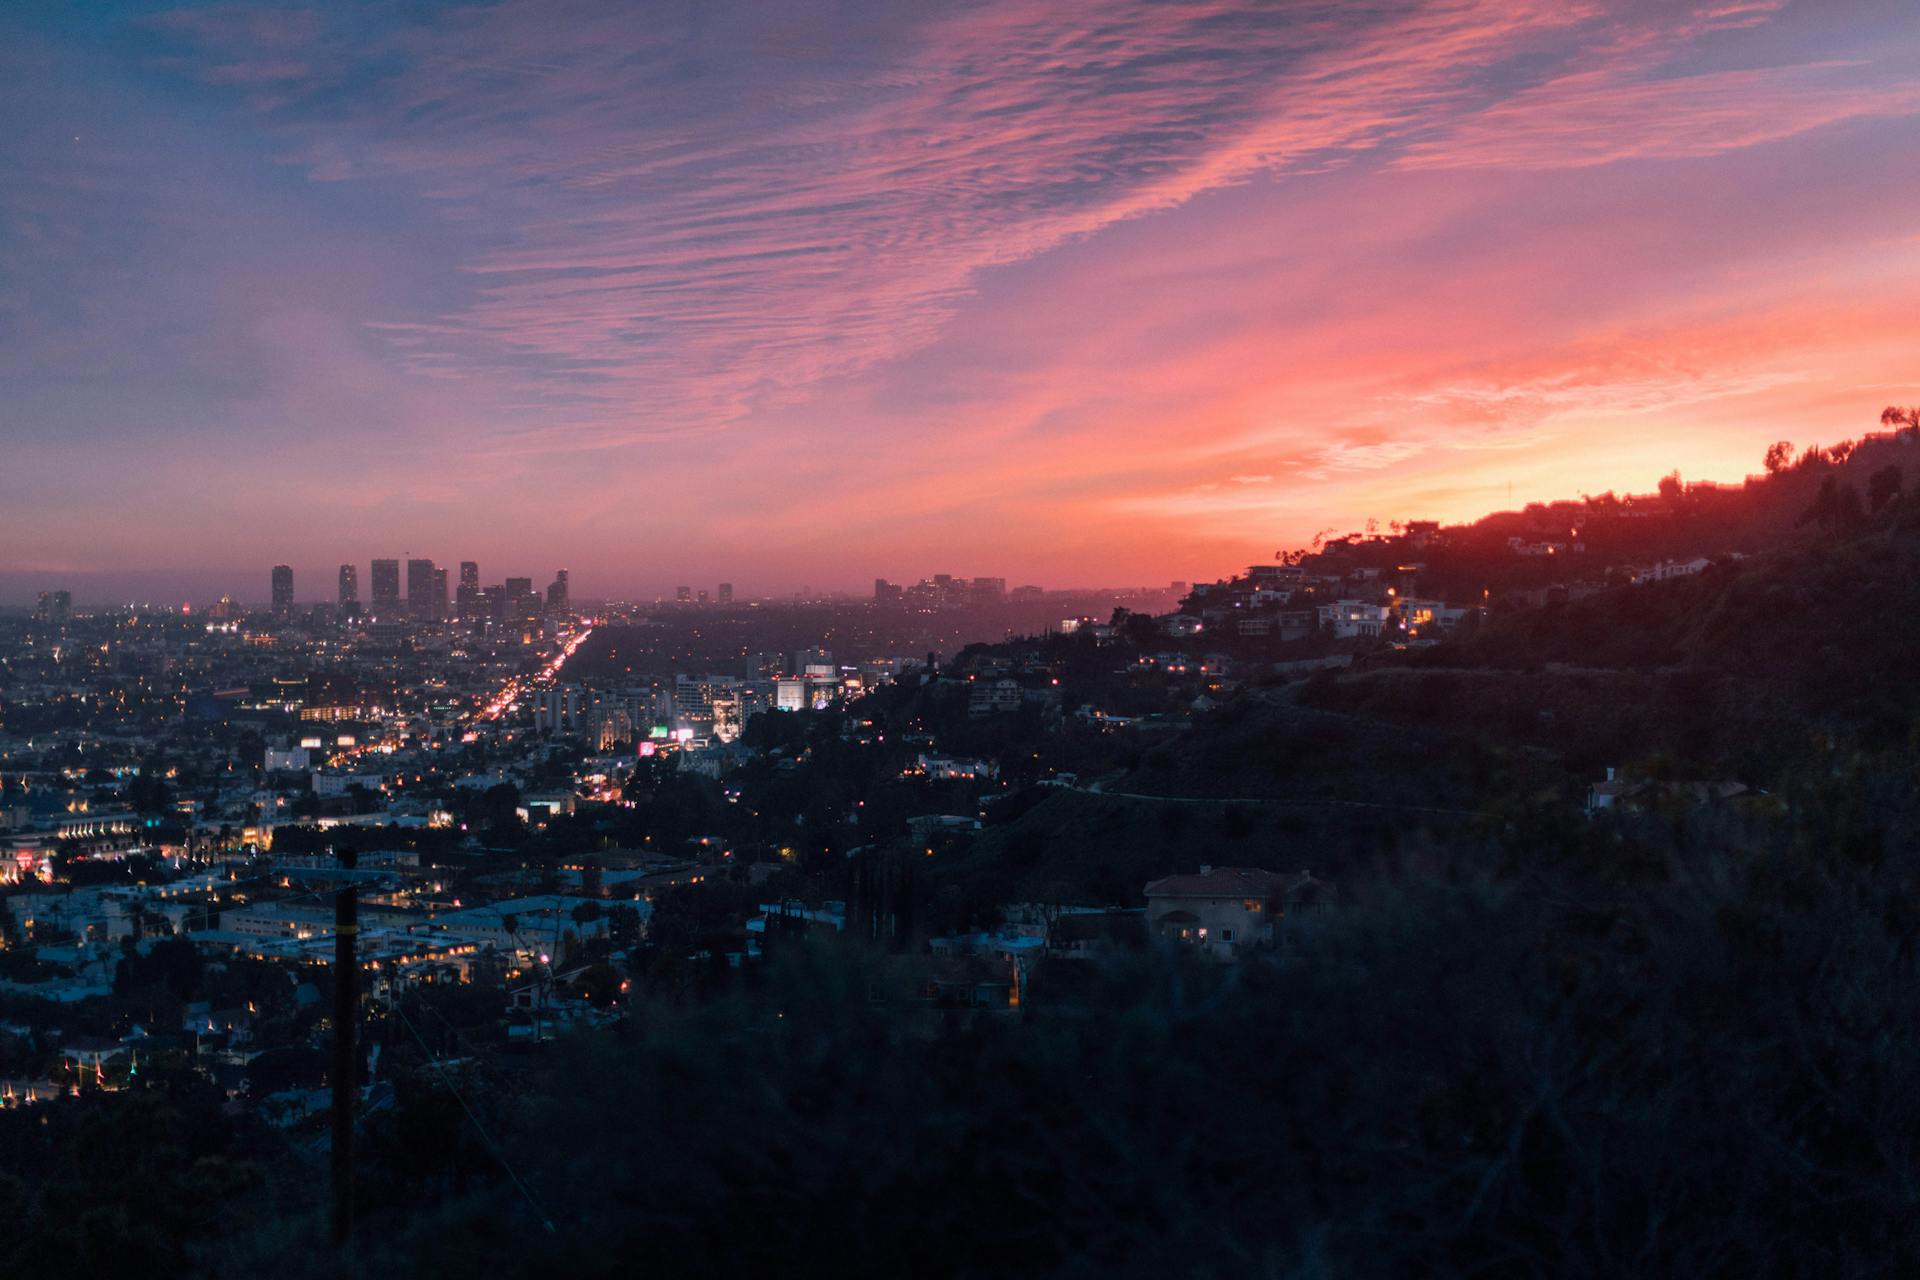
<point>492,1148</point>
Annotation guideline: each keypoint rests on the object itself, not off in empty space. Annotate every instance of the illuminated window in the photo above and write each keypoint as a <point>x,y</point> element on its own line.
<point>1252,904</point>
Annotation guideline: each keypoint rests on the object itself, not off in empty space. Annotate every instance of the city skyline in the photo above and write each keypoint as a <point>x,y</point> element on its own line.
<point>673,297</point>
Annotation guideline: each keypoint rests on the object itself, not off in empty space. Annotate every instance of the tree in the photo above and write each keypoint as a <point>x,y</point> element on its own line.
<point>1894,416</point>
<point>1672,489</point>
<point>1779,456</point>
<point>1883,486</point>
<point>1835,506</point>
<point>148,793</point>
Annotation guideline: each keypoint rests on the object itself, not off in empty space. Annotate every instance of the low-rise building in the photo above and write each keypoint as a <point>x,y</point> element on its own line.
<point>1224,910</point>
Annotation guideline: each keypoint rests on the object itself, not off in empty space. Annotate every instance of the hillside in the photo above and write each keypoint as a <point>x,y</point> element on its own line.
<point>1735,670</point>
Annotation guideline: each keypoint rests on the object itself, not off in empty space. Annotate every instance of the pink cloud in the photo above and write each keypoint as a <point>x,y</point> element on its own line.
<point>1067,291</point>
<point>665,271</point>
<point>1592,118</point>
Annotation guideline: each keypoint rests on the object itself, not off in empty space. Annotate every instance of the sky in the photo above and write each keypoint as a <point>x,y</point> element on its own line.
<point>799,294</point>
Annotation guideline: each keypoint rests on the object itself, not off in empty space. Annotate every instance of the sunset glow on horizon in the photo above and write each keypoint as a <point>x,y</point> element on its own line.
<point>805,294</point>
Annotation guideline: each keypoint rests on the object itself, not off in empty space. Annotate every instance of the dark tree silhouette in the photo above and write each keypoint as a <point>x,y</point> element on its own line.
<point>1883,486</point>
<point>1835,506</point>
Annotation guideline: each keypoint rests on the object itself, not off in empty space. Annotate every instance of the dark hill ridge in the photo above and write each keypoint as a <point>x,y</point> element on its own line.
<point>1782,508</point>
<point>1739,669</point>
<point>1761,513</point>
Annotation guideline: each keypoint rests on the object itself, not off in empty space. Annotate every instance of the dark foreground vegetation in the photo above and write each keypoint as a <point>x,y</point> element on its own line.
<point>1668,1044</point>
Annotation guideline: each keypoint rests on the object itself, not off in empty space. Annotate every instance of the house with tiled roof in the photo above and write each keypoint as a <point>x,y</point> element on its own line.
<point>1225,910</point>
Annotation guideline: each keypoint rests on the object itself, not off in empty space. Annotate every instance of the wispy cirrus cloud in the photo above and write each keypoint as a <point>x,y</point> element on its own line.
<point>1593,118</point>
<point>1080,290</point>
<point>676,222</point>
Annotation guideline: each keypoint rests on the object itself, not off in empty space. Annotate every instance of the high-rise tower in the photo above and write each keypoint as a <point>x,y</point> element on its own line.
<point>386,590</point>
<point>420,590</point>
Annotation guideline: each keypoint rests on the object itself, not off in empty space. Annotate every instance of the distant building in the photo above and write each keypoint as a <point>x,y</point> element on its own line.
<point>942,768</point>
<point>282,590</point>
<point>1223,910</point>
<point>1350,619</point>
<point>420,590</point>
<point>386,590</point>
<point>522,602</point>
<point>990,697</point>
<point>726,593</point>
<point>438,602</point>
<point>349,586</point>
<point>470,574</point>
<point>790,694</point>
<point>559,595</point>
<point>54,607</point>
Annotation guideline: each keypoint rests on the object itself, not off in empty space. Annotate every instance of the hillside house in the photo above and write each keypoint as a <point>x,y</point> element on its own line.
<point>1222,911</point>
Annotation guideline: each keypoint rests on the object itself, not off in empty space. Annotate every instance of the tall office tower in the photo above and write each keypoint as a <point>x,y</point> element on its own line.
<point>726,593</point>
<point>439,601</point>
<point>557,594</point>
<point>54,607</point>
<point>349,586</point>
<point>522,602</point>
<point>386,590</point>
<point>683,594</point>
<point>282,590</point>
<point>420,590</point>
<point>470,574</point>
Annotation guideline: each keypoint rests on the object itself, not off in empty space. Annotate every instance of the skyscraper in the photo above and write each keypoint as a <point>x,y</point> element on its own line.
<point>420,590</point>
<point>683,594</point>
<point>282,590</point>
<point>439,600</point>
<point>55,607</point>
<point>470,574</point>
<point>349,586</point>
<point>557,595</point>
<point>726,593</point>
<point>386,590</point>
<point>522,602</point>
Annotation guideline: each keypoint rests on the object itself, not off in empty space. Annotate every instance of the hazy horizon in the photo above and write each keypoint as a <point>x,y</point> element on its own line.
<point>250,583</point>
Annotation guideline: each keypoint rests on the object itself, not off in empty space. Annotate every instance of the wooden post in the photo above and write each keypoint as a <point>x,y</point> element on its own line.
<point>346,1057</point>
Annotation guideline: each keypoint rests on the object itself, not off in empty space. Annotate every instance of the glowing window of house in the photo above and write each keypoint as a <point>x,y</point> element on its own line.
<point>1252,904</point>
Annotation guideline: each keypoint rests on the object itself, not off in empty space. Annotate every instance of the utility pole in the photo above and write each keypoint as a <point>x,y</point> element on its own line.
<point>346,1064</point>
